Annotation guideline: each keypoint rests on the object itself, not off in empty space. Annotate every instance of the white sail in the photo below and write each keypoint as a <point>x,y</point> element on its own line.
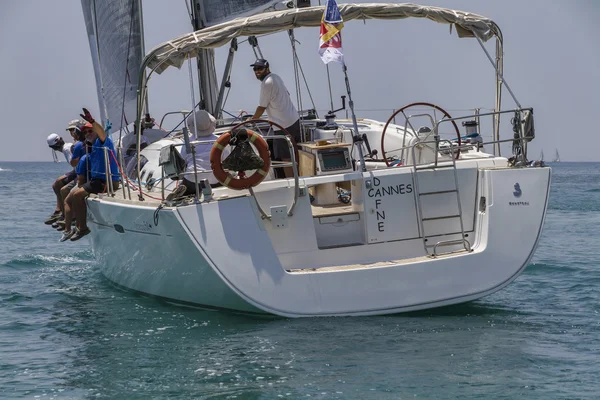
<point>556,157</point>
<point>114,30</point>
<point>217,11</point>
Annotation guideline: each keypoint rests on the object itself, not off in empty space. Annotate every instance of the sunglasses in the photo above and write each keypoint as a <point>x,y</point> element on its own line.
<point>85,132</point>
<point>55,146</point>
<point>258,68</point>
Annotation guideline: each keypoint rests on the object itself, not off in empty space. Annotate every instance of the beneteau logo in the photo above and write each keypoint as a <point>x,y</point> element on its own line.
<point>517,191</point>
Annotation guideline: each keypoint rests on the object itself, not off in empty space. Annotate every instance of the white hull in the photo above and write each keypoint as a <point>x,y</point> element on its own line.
<point>433,218</point>
<point>222,254</point>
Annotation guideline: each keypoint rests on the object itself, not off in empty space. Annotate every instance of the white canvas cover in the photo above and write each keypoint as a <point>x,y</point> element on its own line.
<point>174,52</point>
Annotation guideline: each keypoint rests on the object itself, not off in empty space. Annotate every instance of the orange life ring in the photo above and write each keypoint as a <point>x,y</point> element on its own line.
<point>225,177</point>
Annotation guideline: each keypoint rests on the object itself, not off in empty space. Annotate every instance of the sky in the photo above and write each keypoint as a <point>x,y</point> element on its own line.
<point>551,62</point>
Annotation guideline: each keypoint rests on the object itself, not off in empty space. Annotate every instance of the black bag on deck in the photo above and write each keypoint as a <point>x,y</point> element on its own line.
<point>242,157</point>
<point>172,162</point>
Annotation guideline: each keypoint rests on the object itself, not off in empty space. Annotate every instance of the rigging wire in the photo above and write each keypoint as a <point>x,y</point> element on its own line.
<point>225,99</point>
<point>329,81</point>
<point>298,67</point>
<point>307,87</point>
<point>296,76</point>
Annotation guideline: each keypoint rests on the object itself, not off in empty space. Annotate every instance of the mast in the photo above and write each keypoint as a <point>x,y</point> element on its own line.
<point>207,75</point>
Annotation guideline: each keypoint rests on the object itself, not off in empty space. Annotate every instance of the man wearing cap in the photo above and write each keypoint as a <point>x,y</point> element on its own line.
<point>75,128</point>
<point>201,126</point>
<point>58,144</point>
<point>66,182</point>
<point>78,131</point>
<point>82,177</point>
<point>275,100</point>
<point>98,173</point>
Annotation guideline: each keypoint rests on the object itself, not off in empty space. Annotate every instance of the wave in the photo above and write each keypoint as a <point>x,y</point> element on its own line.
<point>463,309</point>
<point>14,297</point>
<point>541,267</point>
<point>587,191</point>
<point>43,260</point>
<point>4,170</point>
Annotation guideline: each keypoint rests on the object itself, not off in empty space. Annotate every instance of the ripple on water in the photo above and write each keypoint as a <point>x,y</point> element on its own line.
<point>67,333</point>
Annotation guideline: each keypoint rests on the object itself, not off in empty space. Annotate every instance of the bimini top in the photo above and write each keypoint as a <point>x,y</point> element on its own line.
<point>174,52</point>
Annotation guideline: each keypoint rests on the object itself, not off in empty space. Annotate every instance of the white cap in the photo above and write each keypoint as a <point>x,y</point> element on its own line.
<point>75,124</point>
<point>52,139</point>
<point>206,123</point>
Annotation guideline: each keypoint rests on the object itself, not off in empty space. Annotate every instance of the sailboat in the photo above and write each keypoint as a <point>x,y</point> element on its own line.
<point>426,220</point>
<point>556,157</point>
<point>541,156</point>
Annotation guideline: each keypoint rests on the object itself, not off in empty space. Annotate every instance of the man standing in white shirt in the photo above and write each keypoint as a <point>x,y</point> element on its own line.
<point>275,100</point>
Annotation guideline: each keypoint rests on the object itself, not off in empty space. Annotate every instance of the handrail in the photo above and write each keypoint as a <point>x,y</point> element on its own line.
<point>122,162</point>
<point>418,203</point>
<point>497,114</point>
<point>185,113</point>
<point>107,172</point>
<point>296,180</point>
<point>476,115</point>
<point>452,148</point>
<point>462,241</point>
<point>416,133</point>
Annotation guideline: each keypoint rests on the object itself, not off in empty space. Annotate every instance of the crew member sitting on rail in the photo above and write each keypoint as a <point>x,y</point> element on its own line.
<point>98,174</point>
<point>82,177</point>
<point>75,128</point>
<point>58,144</point>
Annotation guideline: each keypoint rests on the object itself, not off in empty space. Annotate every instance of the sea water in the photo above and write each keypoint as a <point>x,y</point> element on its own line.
<point>67,333</point>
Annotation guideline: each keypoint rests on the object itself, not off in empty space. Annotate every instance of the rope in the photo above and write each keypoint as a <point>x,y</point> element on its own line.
<point>296,76</point>
<point>225,99</point>
<point>159,127</point>
<point>307,88</point>
<point>298,67</point>
<point>127,179</point>
<point>181,122</point>
<point>156,213</point>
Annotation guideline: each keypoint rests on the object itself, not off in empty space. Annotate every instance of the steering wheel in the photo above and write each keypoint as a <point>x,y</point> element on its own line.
<point>274,125</point>
<point>418,104</point>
